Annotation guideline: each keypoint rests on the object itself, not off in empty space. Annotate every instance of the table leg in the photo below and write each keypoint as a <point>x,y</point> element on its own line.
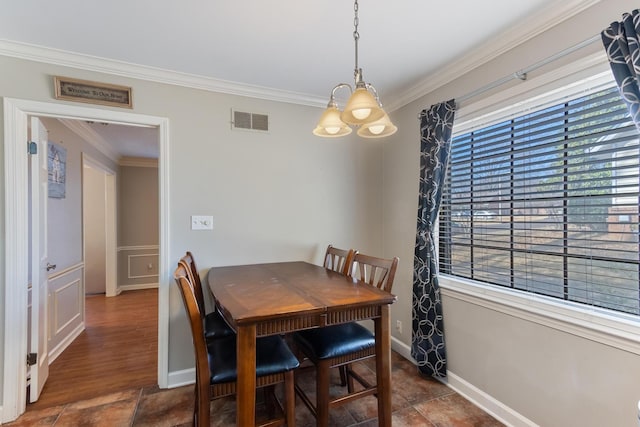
<point>246,383</point>
<point>383,366</point>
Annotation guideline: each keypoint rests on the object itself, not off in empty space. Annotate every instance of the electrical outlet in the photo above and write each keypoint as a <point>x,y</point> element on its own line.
<point>399,326</point>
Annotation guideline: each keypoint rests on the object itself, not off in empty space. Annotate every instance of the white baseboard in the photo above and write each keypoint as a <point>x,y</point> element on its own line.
<point>402,349</point>
<point>57,351</point>
<point>481,399</point>
<point>489,404</point>
<point>124,288</point>
<point>180,378</point>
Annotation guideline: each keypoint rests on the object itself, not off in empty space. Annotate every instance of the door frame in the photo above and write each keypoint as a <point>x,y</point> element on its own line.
<point>16,228</point>
<point>111,229</point>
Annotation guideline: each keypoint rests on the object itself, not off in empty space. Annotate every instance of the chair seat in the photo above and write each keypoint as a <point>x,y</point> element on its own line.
<point>273,356</point>
<point>334,341</point>
<point>216,327</point>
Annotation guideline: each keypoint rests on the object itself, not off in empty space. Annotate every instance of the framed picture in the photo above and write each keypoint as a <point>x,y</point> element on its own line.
<point>92,92</point>
<point>57,170</point>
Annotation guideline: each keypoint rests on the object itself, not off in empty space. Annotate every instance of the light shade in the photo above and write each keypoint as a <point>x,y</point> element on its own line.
<point>362,107</point>
<point>330,125</point>
<point>378,129</point>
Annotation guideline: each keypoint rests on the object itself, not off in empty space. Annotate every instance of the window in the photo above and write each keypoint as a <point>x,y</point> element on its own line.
<point>546,201</point>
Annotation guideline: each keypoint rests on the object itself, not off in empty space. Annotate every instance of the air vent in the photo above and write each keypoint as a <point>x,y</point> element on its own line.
<point>249,121</point>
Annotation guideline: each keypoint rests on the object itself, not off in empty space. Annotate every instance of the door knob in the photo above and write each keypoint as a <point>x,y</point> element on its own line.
<point>51,267</point>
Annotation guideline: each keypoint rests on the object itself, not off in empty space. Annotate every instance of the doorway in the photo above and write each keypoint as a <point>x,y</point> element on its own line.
<point>16,264</point>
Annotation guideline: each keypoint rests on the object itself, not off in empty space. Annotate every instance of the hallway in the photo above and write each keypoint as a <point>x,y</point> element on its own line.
<point>117,351</point>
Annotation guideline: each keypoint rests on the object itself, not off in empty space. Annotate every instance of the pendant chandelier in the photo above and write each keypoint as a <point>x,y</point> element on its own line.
<point>363,109</point>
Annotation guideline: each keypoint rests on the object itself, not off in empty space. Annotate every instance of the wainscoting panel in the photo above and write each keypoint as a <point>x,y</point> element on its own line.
<point>137,267</point>
<point>143,266</point>
<point>66,308</point>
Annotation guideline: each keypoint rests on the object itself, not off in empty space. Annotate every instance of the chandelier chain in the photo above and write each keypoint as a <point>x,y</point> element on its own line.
<point>356,34</point>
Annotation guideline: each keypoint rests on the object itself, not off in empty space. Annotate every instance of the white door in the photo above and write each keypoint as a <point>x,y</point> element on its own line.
<point>39,260</point>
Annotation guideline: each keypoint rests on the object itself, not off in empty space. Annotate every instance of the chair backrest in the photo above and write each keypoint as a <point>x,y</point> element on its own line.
<point>338,260</point>
<point>192,271</point>
<point>378,272</point>
<point>186,287</point>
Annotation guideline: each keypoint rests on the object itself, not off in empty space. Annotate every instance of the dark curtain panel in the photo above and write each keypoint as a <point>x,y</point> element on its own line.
<point>427,344</point>
<point>622,42</point>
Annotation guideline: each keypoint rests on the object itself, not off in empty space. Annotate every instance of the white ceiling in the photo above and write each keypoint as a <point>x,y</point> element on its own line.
<point>294,49</point>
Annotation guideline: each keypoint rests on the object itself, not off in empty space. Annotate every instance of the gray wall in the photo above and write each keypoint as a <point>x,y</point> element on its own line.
<point>549,376</point>
<point>138,219</point>
<point>283,195</point>
<point>138,225</point>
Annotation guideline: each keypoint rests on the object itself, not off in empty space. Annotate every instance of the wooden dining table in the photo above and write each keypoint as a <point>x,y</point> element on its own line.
<point>277,298</point>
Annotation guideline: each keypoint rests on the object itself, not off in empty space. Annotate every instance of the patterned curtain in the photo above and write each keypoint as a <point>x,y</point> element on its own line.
<point>427,344</point>
<point>622,42</point>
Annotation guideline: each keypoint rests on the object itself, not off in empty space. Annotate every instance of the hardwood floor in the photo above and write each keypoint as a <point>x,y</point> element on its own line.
<point>117,351</point>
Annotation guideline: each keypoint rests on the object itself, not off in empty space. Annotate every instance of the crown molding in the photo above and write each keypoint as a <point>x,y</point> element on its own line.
<point>85,132</point>
<point>139,162</point>
<point>538,23</point>
<point>125,69</point>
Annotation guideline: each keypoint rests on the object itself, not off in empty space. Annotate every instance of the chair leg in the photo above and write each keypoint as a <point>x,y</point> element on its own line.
<point>343,375</point>
<point>322,393</point>
<point>202,408</point>
<point>268,394</point>
<point>348,373</point>
<point>290,398</point>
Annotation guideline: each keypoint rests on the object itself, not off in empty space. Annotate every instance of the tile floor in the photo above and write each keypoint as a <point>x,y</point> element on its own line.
<point>417,401</point>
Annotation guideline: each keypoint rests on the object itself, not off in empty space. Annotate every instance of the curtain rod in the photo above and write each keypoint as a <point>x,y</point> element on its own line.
<point>522,74</point>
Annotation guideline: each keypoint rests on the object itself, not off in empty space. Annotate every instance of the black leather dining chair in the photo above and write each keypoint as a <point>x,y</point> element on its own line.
<point>214,324</point>
<point>343,344</point>
<point>216,363</point>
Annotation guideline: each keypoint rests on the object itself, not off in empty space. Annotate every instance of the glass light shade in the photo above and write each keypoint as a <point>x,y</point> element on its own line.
<point>361,108</point>
<point>378,129</point>
<point>330,125</point>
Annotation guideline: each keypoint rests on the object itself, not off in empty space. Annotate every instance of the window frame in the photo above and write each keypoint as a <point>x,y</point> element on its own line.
<point>604,326</point>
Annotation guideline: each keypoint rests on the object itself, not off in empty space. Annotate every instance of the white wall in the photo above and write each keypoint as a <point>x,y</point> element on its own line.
<point>524,369</point>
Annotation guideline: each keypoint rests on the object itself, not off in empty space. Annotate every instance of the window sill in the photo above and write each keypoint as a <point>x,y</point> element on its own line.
<point>618,330</point>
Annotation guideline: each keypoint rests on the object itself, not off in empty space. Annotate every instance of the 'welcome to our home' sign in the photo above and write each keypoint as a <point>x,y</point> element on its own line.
<point>92,92</point>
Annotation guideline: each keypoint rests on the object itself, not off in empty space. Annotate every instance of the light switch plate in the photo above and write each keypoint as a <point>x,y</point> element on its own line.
<point>201,222</point>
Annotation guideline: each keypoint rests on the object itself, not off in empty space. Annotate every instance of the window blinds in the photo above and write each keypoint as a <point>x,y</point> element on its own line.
<point>547,202</point>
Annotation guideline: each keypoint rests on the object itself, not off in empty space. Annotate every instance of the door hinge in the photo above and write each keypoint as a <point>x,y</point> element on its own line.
<point>33,147</point>
<point>32,359</point>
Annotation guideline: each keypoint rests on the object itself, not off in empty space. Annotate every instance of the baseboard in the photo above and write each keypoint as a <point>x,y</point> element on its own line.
<point>180,378</point>
<point>481,399</point>
<point>125,288</point>
<point>402,349</point>
<point>489,404</point>
<point>57,351</point>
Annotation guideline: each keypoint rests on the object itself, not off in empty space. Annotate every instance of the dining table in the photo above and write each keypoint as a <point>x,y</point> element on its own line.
<point>278,298</point>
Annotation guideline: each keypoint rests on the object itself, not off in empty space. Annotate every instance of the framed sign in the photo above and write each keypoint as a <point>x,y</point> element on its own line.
<point>92,92</point>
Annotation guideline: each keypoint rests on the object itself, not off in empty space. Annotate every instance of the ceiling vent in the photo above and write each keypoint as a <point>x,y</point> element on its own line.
<point>249,121</point>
